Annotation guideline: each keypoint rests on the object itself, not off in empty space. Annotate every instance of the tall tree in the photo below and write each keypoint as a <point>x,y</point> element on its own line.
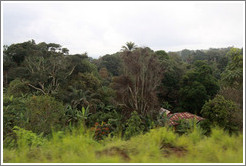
<point>173,70</point>
<point>136,87</point>
<point>46,74</point>
<point>232,78</point>
<point>198,85</point>
<point>233,75</point>
<point>111,62</point>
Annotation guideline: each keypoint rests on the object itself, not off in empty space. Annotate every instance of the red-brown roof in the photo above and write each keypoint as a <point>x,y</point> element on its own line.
<point>182,115</point>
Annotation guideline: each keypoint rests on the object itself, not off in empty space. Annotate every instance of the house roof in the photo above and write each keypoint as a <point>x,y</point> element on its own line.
<point>182,115</point>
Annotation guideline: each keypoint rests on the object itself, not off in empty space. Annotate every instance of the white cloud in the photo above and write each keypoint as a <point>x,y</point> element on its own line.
<point>103,27</point>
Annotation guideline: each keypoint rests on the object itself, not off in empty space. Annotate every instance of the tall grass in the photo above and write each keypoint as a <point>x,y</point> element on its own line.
<point>160,145</point>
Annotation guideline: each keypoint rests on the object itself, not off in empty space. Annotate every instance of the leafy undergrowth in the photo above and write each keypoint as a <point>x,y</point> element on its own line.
<point>158,146</point>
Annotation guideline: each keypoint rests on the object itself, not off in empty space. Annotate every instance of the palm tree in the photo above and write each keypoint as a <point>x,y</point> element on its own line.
<point>130,46</point>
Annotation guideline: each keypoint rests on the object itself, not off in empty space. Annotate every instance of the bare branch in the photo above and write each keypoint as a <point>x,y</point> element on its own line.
<point>37,88</point>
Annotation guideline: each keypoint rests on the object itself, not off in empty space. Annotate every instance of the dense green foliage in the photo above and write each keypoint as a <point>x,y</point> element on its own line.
<point>134,126</point>
<point>44,112</point>
<point>168,91</point>
<point>14,114</point>
<point>221,112</point>
<point>18,88</point>
<point>198,85</point>
<point>233,74</point>
<point>111,62</point>
<point>59,107</point>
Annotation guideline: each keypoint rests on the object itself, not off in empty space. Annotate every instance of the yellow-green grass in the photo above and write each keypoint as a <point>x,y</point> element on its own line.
<point>160,145</point>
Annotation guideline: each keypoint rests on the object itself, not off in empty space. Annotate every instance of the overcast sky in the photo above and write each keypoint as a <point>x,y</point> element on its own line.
<point>100,28</point>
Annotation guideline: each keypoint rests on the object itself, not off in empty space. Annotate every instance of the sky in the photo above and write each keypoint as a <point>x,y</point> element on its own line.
<point>101,28</point>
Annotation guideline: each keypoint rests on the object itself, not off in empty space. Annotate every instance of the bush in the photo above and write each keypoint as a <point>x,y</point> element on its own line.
<point>106,95</point>
<point>163,120</point>
<point>45,113</point>
<point>27,138</point>
<point>221,112</point>
<point>148,122</point>
<point>18,88</point>
<point>103,114</point>
<point>14,114</point>
<point>185,126</point>
<point>134,126</point>
<point>206,126</point>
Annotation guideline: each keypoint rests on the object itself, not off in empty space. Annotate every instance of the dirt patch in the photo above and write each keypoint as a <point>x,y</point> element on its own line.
<point>169,149</point>
<point>114,151</point>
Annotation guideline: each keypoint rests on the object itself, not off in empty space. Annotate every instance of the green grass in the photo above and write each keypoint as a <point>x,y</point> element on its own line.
<point>158,146</point>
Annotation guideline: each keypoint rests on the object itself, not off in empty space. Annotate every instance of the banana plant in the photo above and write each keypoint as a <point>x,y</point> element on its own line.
<point>75,116</point>
<point>85,114</point>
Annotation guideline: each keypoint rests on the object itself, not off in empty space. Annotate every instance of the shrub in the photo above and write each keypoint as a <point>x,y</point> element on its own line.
<point>27,138</point>
<point>104,113</point>
<point>106,94</point>
<point>134,126</point>
<point>163,120</point>
<point>206,126</point>
<point>14,114</point>
<point>221,112</point>
<point>45,113</point>
<point>148,122</point>
<point>18,88</point>
<point>185,126</point>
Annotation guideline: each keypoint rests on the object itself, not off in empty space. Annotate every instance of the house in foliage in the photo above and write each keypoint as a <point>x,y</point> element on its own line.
<point>174,118</point>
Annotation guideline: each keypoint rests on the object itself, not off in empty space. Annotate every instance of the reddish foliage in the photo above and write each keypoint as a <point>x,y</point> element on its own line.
<point>101,130</point>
